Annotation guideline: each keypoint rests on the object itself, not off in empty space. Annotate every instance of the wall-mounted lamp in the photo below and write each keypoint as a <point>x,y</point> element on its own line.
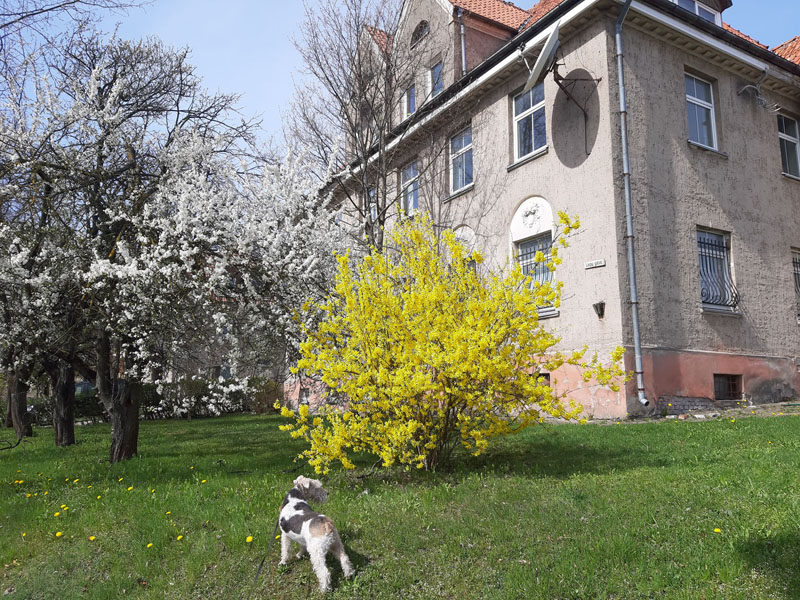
<point>599,309</point>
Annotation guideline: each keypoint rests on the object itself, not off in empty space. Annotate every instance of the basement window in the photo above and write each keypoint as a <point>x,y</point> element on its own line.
<point>727,387</point>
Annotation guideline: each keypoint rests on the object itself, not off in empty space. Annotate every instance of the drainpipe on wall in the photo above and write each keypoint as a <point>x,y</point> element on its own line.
<point>463,43</point>
<point>626,177</point>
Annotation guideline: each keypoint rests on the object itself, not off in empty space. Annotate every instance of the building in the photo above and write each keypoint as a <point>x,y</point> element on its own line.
<point>712,142</point>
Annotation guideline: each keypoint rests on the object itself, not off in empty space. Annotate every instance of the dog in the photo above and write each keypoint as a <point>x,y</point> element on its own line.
<point>315,532</point>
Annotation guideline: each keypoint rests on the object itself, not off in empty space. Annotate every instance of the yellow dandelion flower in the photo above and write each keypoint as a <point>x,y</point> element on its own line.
<point>99,496</point>
<point>733,420</point>
<point>717,530</point>
<point>192,467</point>
<point>27,495</point>
<point>130,487</point>
<point>203,481</point>
<point>179,538</point>
<point>46,492</point>
<point>75,480</point>
<point>152,491</point>
<point>92,538</point>
<point>670,404</point>
<point>150,544</point>
<point>88,487</point>
<point>67,479</point>
<point>59,534</point>
<point>249,539</point>
<point>277,537</point>
<point>63,506</point>
<point>35,493</point>
<point>21,481</point>
<point>55,514</point>
<point>19,470</point>
<point>120,479</point>
<point>169,512</point>
<point>24,534</point>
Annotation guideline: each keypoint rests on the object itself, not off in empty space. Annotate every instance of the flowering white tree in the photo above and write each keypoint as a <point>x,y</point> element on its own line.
<point>140,229</point>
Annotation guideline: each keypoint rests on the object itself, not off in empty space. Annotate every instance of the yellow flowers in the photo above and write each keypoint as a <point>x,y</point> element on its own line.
<point>249,539</point>
<point>92,538</point>
<point>59,534</point>
<point>99,496</point>
<point>120,479</point>
<point>430,352</point>
<point>130,487</point>
<point>203,481</point>
<point>150,544</point>
<point>179,538</point>
<point>56,514</point>
<point>717,530</point>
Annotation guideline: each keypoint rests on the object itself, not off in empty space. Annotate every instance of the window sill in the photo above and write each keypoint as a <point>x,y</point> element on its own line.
<point>523,161</point>
<point>790,176</point>
<point>460,192</point>
<point>712,309</point>
<point>548,313</point>
<point>707,149</point>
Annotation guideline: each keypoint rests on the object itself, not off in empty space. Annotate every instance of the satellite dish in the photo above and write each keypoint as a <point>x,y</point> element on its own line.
<point>545,61</point>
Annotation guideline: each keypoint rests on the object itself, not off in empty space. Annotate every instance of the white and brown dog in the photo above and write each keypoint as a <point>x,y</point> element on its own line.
<point>315,533</point>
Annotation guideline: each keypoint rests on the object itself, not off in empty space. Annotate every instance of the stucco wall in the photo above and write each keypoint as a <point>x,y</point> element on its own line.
<point>678,187</point>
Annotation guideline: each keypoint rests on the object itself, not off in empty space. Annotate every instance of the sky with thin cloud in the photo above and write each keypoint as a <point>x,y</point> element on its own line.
<point>245,46</point>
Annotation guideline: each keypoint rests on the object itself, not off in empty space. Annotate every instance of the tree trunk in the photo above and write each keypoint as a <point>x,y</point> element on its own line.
<point>125,421</point>
<point>19,404</point>
<point>62,376</point>
<point>8,421</point>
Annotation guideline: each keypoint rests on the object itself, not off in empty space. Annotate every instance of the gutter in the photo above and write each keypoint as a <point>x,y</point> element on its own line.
<point>463,43</point>
<point>629,237</point>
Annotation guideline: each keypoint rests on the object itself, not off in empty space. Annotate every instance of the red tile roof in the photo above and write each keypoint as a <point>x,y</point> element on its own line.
<point>789,50</point>
<point>540,10</point>
<point>497,11</point>
<point>744,36</point>
<point>383,39</point>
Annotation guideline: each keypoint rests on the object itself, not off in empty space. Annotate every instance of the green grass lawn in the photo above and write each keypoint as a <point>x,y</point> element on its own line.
<point>659,510</point>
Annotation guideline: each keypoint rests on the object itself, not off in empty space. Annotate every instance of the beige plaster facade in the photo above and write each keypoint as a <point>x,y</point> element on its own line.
<point>736,190</point>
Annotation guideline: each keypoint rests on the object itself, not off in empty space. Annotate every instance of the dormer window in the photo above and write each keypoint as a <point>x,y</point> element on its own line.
<point>420,31</point>
<point>701,10</point>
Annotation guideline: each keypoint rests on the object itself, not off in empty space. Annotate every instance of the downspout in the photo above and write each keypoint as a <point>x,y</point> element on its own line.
<point>463,43</point>
<point>626,177</point>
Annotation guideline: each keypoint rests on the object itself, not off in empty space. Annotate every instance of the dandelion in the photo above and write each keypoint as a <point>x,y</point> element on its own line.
<point>277,537</point>
<point>120,479</point>
<point>67,479</point>
<point>130,487</point>
<point>670,404</point>
<point>203,481</point>
<point>99,496</point>
<point>152,491</point>
<point>75,480</point>
<point>21,481</point>
<point>88,487</point>
<point>45,493</point>
<point>92,538</point>
<point>150,545</point>
<point>63,506</point>
<point>19,470</point>
<point>179,538</point>
<point>169,512</point>
<point>59,534</point>
<point>27,495</point>
<point>55,514</point>
<point>35,493</point>
<point>24,534</point>
<point>733,420</point>
<point>717,530</point>
<point>249,539</point>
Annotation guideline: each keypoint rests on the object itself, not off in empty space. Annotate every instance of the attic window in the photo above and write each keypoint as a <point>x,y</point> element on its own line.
<point>420,31</point>
<point>701,10</point>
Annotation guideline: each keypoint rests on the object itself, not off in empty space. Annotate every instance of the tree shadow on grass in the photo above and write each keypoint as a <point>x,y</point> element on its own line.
<point>777,558</point>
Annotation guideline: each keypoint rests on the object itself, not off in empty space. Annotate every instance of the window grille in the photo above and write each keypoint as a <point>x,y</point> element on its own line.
<point>539,272</point>
<point>727,387</point>
<point>716,282</point>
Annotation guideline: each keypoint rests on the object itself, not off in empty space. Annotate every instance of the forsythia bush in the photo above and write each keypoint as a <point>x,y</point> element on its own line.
<point>430,353</point>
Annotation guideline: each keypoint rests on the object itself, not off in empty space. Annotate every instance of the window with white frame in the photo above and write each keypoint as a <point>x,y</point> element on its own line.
<point>717,288</point>
<point>529,122</point>
<point>701,10</point>
<point>700,111</point>
<point>790,141</point>
<point>796,270</point>
<point>410,185</point>
<point>410,102</point>
<point>461,160</point>
<point>437,84</point>
<point>372,204</point>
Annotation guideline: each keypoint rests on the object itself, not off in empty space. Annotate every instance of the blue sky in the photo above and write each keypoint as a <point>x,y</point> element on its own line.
<point>245,46</point>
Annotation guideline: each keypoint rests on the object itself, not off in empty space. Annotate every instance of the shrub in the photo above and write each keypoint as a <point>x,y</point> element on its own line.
<point>430,353</point>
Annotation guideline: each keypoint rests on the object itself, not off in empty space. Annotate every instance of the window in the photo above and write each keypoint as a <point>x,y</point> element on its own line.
<point>700,110</point>
<point>437,85</point>
<point>717,289</point>
<point>796,269</point>
<point>538,271</point>
<point>727,387</point>
<point>410,104</point>
<point>461,160</point>
<point>529,122</point>
<point>790,140</point>
<point>410,181</point>
<point>305,396</point>
<point>420,31</point>
<point>372,204</point>
<point>701,10</point>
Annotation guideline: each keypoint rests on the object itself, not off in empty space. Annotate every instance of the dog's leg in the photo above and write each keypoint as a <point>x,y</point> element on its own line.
<point>317,548</point>
<point>286,543</point>
<point>338,551</point>
<point>301,553</point>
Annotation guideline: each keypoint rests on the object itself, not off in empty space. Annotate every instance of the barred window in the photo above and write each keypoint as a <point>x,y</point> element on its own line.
<point>727,387</point>
<point>717,288</point>
<point>538,271</point>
